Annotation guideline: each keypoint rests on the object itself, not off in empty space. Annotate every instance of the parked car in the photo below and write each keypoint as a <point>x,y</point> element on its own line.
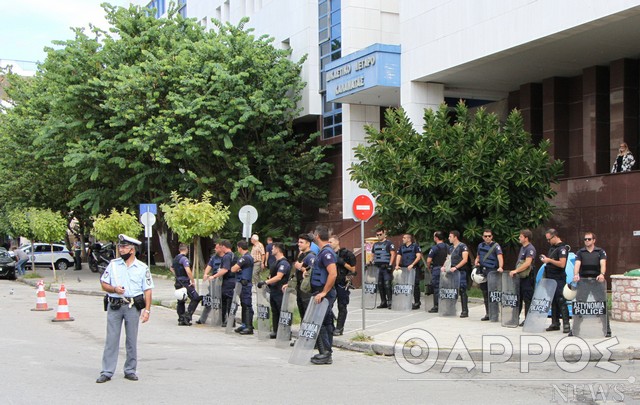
<point>7,265</point>
<point>62,258</point>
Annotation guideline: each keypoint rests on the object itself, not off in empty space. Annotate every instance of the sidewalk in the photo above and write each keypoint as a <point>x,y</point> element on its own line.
<point>391,329</point>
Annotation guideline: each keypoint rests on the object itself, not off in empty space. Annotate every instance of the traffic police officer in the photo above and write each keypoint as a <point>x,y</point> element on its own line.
<point>279,275</point>
<point>555,263</point>
<point>409,256</point>
<point>384,254</point>
<point>346,265</point>
<point>228,279</point>
<point>323,278</point>
<point>435,260</point>
<point>489,259</point>
<point>244,270</point>
<point>181,269</point>
<point>591,263</point>
<point>128,284</point>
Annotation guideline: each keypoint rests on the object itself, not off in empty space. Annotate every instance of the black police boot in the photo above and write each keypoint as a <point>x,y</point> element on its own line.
<point>324,357</point>
<point>434,310</point>
<point>383,296</point>
<point>564,310</point>
<point>389,291</point>
<point>187,319</point>
<point>342,317</point>
<point>485,298</point>
<point>243,323</point>
<point>416,297</point>
<point>555,317</point>
<point>247,322</point>
<point>464,299</point>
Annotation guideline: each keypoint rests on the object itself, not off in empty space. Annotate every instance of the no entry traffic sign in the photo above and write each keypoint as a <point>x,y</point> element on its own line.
<point>363,207</point>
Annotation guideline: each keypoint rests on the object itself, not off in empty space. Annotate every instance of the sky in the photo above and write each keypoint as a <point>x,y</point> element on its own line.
<point>27,26</point>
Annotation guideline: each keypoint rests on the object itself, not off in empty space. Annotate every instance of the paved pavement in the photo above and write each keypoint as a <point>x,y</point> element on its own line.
<point>386,330</point>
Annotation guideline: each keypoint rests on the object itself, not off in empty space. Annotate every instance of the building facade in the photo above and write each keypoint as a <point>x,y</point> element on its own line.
<point>572,67</point>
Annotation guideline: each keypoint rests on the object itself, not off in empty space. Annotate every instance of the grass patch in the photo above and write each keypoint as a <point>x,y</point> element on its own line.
<point>370,353</point>
<point>32,275</point>
<point>156,302</point>
<point>475,292</point>
<point>361,337</point>
<point>161,271</point>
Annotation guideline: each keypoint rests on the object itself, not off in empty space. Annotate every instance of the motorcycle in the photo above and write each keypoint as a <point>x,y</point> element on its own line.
<point>100,255</point>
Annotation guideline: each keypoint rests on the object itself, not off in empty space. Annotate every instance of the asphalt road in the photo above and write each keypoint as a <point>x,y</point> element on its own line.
<point>57,363</point>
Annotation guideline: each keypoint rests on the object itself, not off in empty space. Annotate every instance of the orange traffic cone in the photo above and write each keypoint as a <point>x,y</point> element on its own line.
<point>63,307</point>
<point>41,299</point>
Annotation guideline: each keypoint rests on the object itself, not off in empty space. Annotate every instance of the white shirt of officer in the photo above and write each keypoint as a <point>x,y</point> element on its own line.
<point>135,278</point>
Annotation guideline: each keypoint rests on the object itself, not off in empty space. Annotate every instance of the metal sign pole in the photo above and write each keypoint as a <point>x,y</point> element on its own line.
<point>364,259</point>
<point>148,248</point>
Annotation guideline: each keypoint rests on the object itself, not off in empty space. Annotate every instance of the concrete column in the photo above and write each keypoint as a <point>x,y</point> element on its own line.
<point>415,97</point>
<point>555,125</point>
<point>354,119</point>
<point>595,116</point>
<point>624,95</point>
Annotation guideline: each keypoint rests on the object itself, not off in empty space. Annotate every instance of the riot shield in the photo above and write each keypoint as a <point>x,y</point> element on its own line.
<point>536,320</point>
<point>308,333</point>
<point>370,286</point>
<point>286,318</point>
<point>233,308</point>
<point>403,289</point>
<point>590,309</point>
<point>449,288</point>
<point>509,310</point>
<point>494,291</point>
<point>264,313</point>
<point>215,288</point>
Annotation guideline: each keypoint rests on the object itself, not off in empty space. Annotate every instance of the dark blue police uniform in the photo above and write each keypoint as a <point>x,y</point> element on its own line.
<point>228,285</point>
<point>382,260</point>
<point>438,254</point>
<point>275,290</point>
<point>180,263</point>
<point>319,277</point>
<point>408,255</point>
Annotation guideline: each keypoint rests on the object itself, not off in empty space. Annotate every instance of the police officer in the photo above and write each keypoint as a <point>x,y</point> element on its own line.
<point>409,256</point>
<point>128,284</point>
<point>303,264</point>
<point>435,260</point>
<point>212,267</point>
<point>489,259</point>
<point>384,254</point>
<point>181,269</point>
<point>524,267</point>
<point>346,266</point>
<point>555,263</point>
<point>279,275</point>
<point>244,270</point>
<point>323,278</point>
<point>228,279</point>
<point>591,263</point>
<point>459,259</point>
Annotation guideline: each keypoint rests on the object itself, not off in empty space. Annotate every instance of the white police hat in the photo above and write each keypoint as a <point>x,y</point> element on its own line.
<point>128,240</point>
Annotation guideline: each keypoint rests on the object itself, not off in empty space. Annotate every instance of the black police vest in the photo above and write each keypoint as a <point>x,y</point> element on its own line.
<point>590,262</point>
<point>215,266</point>
<point>273,270</point>
<point>301,258</point>
<point>344,254</point>
<point>229,274</point>
<point>319,275</point>
<point>409,254</point>
<point>440,255</point>
<point>178,268</point>
<point>490,262</point>
<point>246,271</point>
<point>380,253</point>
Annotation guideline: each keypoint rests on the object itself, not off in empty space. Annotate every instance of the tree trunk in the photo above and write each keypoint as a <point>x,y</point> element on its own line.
<point>163,238</point>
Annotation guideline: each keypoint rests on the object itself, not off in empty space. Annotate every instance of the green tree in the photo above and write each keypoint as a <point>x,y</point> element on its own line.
<point>109,227</point>
<point>191,219</point>
<point>471,174</point>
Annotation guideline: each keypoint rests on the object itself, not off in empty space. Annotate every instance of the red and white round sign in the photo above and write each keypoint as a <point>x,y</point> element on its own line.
<point>363,207</point>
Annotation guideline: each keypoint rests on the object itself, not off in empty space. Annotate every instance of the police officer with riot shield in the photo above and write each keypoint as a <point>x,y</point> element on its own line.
<point>555,263</point>
<point>209,271</point>
<point>346,265</point>
<point>489,259</point>
<point>278,277</point>
<point>435,260</point>
<point>409,255</point>
<point>244,271</point>
<point>228,278</point>
<point>181,269</point>
<point>384,254</point>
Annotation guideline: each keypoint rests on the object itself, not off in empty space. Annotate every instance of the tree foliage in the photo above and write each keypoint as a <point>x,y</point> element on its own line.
<point>116,118</point>
<point>470,174</point>
<point>109,227</point>
<point>190,218</point>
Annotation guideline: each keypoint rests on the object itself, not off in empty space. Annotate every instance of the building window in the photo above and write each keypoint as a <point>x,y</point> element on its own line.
<point>159,6</point>
<point>330,43</point>
<point>182,8</point>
